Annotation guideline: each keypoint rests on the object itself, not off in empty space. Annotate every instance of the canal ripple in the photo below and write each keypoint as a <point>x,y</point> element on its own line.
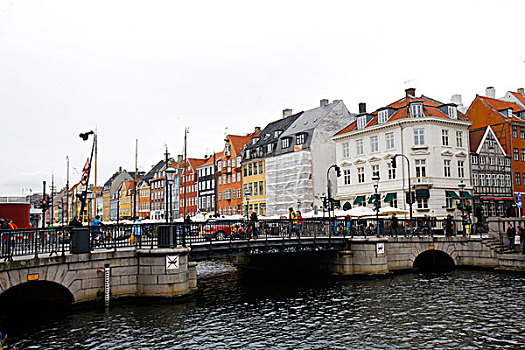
<point>237,310</point>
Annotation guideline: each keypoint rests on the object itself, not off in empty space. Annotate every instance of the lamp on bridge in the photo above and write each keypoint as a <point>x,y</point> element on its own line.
<point>170,178</point>
<point>375,178</point>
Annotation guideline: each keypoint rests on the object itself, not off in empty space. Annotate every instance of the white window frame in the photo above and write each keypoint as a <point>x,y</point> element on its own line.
<point>446,168</point>
<point>382,116</point>
<point>347,179</point>
<point>346,150</point>
<point>459,139</point>
<point>361,122</point>
<point>285,142</point>
<point>361,175</point>
<point>416,110</point>
<point>444,137</point>
<point>374,144</point>
<point>461,168</point>
<point>359,147</point>
<point>419,137</point>
<point>390,142</point>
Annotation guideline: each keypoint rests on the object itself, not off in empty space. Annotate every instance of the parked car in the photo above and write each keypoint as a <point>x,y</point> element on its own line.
<point>219,230</point>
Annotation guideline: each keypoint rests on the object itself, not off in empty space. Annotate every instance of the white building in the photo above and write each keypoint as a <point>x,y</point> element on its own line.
<point>433,135</point>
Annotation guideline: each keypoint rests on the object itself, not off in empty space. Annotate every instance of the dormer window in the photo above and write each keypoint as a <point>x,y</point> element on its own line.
<point>300,139</point>
<point>285,143</point>
<point>247,154</point>
<point>453,112</point>
<point>416,109</point>
<point>255,140</point>
<point>269,148</point>
<point>361,122</point>
<point>383,116</point>
<point>509,112</point>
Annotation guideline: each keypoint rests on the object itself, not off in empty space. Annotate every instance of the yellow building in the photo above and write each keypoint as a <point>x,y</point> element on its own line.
<point>126,200</point>
<point>254,186</point>
<point>106,200</point>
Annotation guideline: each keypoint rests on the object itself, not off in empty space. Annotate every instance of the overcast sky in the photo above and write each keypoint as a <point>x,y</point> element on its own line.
<point>144,70</point>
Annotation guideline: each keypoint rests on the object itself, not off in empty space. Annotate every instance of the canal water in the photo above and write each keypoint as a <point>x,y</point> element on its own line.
<point>242,310</point>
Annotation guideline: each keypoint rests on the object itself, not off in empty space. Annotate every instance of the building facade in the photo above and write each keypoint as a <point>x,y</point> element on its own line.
<point>491,175</point>
<point>206,185</point>
<point>434,138</point>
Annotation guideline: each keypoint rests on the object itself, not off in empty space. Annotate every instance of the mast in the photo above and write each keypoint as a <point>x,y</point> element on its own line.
<point>67,189</point>
<point>96,190</point>
<point>135,180</point>
<point>166,185</point>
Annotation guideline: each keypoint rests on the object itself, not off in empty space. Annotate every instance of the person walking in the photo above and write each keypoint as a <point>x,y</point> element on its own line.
<point>511,234</point>
<point>136,231</point>
<point>521,232</point>
<point>394,224</point>
<point>299,223</point>
<point>449,230</point>
<point>254,222</point>
<point>97,233</point>
<point>291,218</point>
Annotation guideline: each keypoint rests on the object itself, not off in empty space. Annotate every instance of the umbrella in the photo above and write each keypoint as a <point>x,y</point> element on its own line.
<point>388,210</point>
<point>359,211</point>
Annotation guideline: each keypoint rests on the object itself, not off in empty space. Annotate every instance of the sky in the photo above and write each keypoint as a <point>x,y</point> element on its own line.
<point>145,70</point>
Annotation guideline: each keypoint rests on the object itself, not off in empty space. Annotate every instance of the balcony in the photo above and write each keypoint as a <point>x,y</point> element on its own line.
<point>422,182</point>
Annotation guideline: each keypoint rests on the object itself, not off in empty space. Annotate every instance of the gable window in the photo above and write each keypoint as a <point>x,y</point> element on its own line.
<point>390,140</point>
<point>245,170</point>
<point>269,148</point>
<point>347,178</point>
<point>300,139</point>
<point>361,122</point>
<point>453,112</point>
<point>507,161</point>
<point>501,161</point>
<point>361,174</point>
<point>346,150</point>
<point>461,168</point>
<point>474,159</point>
<point>482,160</point>
<point>276,133</point>
<point>514,131</point>
<point>474,179</point>
<point>383,115</point>
<point>444,137</point>
<point>285,143</point>
<point>516,154</point>
<point>491,161</point>
<point>459,138</point>
<point>359,147</point>
<point>446,167</point>
<point>419,137</point>
<point>507,181</point>
<point>416,109</point>
<point>374,144</point>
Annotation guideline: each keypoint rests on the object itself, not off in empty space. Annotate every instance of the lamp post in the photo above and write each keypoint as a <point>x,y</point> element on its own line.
<point>170,177</point>
<point>375,178</point>
<point>328,188</point>
<point>394,165</point>
<point>85,177</point>
<point>461,187</point>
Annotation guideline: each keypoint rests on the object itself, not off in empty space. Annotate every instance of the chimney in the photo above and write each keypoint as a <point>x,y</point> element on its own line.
<point>257,128</point>
<point>287,112</point>
<point>521,91</point>
<point>179,158</point>
<point>324,102</point>
<point>362,107</point>
<point>457,99</point>
<point>410,92</point>
<point>119,169</point>
<point>490,92</point>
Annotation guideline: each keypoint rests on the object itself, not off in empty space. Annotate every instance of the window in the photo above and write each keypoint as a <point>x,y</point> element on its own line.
<point>522,132</point>
<point>422,203</point>
<point>359,147</point>
<point>383,116</point>
<point>276,133</point>
<point>474,179</point>
<point>347,178</point>
<point>514,131</point>
<point>491,161</point>
<point>474,159</point>
<point>261,170</point>
<point>374,144</point>
<point>361,122</point>
<point>250,187</point>
<point>239,193</point>
<point>245,170</point>
<point>375,169</point>
<point>238,161</point>
<point>269,148</point>
<point>300,139</point>
<point>255,168</point>
<point>261,187</point>
<point>461,168</point>
<point>220,181</point>
<point>446,168</point>
<point>516,154</point>
<point>523,155</point>
<point>449,201</point>
<point>419,137</point>
<point>390,140</point>
<point>482,179</point>
<point>250,169</point>
<point>453,112</point>
<point>501,161</point>
<point>346,151</point>
<point>507,181</point>
<point>238,177</point>
<point>523,178</point>
<point>233,194</point>
<point>285,143</point>
<point>416,109</point>
<point>361,174</point>
<point>220,195</point>
<point>518,179</point>
<point>489,180</point>
<point>459,138</point>
<point>391,172</point>
<point>444,137</point>
<point>421,168</point>
<point>507,161</point>
<point>219,167</point>
<point>255,189</point>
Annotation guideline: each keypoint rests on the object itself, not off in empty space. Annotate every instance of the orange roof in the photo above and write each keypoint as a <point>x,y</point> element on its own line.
<point>519,96</point>
<point>127,185</point>
<point>498,105</point>
<point>475,137</point>
<point>196,162</point>
<point>210,160</point>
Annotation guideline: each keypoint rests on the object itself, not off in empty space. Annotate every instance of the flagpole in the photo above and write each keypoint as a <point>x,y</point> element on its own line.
<point>67,189</point>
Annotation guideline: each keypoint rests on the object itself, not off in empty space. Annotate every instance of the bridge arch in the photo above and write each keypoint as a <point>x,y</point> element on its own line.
<point>434,260</point>
<point>36,294</point>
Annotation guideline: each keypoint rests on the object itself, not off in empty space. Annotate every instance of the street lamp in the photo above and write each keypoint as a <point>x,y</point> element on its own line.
<point>328,187</point>
<point>85,176</point>
<point>461,186</point>
<point>394,165</point>
<point>375,178</point>
<point>170,177</point>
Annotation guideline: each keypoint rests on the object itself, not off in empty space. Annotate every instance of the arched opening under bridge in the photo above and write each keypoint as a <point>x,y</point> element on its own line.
<point>434,261</point>
<point>34,295</point>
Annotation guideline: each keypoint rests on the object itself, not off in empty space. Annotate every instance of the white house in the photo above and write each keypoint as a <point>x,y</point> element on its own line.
<point>432,135</point>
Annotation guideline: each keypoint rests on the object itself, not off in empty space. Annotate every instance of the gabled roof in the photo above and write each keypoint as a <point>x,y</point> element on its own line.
<point>238,141</point>
<point>267,135</point>
<point>309,119</point>
<point>475,137</point>
<point>484,132</point>
<point>218,155</point>
<point>518,96</point>
<point>400,109</point>
<point>150,174</point>
<point>196,162</point>
<point>498,105</point>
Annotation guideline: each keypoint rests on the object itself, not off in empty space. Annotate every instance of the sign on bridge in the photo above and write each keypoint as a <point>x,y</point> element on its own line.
<point>172,262</point>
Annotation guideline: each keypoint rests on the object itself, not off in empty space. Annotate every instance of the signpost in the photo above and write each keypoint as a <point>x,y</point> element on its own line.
<point>172,262</point>
<point>519,203</point>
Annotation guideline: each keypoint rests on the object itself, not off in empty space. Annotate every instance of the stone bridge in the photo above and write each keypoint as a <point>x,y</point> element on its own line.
<point>171,272</point>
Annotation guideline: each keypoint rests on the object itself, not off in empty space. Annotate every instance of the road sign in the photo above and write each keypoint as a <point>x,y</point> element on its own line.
<point>172,262</point>
<point>518,200</point>
<point>380,248</point>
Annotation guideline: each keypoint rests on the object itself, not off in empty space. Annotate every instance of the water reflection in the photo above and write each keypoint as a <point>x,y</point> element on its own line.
<point>460,309</point>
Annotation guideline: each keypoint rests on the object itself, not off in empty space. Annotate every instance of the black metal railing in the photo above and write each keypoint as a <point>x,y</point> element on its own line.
<point>61,240</point>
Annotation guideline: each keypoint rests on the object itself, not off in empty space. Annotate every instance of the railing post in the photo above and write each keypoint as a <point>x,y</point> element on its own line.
<point>36,242</point>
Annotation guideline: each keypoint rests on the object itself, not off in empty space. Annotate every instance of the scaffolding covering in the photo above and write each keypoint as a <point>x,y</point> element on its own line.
<point>289,183</point>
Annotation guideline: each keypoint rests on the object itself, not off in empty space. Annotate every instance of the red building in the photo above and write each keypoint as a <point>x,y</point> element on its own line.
<point>188,198</point>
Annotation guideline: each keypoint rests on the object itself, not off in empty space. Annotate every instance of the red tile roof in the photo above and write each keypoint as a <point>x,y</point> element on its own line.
<point>210,160</point>
<point>475,137</point>
<point>519,96</point>
<point>498,105</point>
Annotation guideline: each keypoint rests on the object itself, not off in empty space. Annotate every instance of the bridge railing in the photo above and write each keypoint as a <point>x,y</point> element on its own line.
<point>58,240</point>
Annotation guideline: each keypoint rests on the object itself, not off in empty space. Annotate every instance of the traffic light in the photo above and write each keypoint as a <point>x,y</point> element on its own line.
<point>337,170</point>
<point>393,162</point>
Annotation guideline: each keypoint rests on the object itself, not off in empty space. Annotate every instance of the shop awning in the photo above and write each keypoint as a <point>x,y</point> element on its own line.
<point>359,199</point>
<point>422,193</point>
<point>347,206</point>
<point>452,194</point>
<point>372,198</point>
<point>390,197</point>
<point>466,195</point>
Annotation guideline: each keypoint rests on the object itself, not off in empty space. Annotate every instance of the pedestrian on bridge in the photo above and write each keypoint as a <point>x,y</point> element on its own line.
<point>394,224</point>
<point>521,232</point>
<point>511,235</point>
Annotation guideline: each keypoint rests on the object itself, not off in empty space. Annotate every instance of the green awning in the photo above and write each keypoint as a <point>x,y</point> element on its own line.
<point>372,198</point>
<point>359,199</point>
<point>452,194</point>
<point>347,206</point>
<point>466,195</point>
<point>422,194</point>
<point>390,197</point>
